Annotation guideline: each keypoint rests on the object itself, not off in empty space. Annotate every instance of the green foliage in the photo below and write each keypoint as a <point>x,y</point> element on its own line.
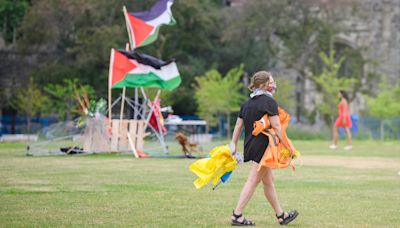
<point>99,106</point>
<point>79,35</point>
<point>63,101</point>
<point>329,84</point>
<point>194,43</point>
<point>269,32</point>
<point>218,95</point>
<point>386,103</point>
<point>77,40</point>
<point>247,33</point>
<point>29,101</point>
<point>285,93</point>
<point>75,37</point>
<point>11,14</point>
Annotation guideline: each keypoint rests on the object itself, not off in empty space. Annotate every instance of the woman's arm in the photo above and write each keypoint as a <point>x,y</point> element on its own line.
<point>236,132</point>
<point>276,125</point>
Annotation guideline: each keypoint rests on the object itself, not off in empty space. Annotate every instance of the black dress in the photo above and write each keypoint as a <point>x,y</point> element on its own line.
<point>250,111</point>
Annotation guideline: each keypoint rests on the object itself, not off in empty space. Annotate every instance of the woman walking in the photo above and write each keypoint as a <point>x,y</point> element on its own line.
<point>343,121</point>
<point>261,102</point>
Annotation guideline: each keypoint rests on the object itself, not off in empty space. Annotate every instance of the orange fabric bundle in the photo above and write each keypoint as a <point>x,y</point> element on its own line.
<point>275,156</point>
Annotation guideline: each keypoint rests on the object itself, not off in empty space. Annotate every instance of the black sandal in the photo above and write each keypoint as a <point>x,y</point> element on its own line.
<point>245,222</point>
<point>291,216</point>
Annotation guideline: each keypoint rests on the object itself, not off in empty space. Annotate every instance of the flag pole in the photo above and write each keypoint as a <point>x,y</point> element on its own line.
<point>109,85</point>
<point>136,102</point>
<point>121,115</point>
<point>151,109</point>
<point>128,28</point>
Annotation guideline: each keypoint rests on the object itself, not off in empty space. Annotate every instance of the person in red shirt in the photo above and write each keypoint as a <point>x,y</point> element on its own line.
<point>343,121</point>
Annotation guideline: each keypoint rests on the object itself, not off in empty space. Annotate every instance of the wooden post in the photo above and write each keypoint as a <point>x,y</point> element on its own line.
<point>109,84</point>
<point>123,97</point>
<point>132,146</point>
<point>144,103</point>
<point>136,103</point>
<point>151,110</point>
<point>128,28</point>
<point>122,104</point>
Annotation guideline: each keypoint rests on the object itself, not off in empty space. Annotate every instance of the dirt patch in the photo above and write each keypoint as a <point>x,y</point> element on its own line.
<point>352,162</point>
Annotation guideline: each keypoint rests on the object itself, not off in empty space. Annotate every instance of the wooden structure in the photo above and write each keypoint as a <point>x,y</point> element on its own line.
<point>120,131</point>
<point>128,134</point>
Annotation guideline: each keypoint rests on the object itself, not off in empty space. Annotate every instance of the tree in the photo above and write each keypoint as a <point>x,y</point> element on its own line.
<point>194,43</point>
<point>79,35</point>
<point>329,84</point>
<point>219,95</point>
<point>63,96</point>
<point>290,35</point>
<point>285,93</point>
<point>385,104</point>
<point>12,12</point>
<point>29,101</point>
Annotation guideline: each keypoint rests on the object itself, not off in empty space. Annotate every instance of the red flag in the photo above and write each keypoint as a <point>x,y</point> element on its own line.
<point>156,116</point>
<point>120,65</point>
<point>139,30</point>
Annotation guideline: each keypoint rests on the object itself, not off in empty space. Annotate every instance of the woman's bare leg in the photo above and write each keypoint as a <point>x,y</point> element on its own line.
<point>348,133</point>
<point>335,135</point>
<point>269,191</point>
<point>248,189</point>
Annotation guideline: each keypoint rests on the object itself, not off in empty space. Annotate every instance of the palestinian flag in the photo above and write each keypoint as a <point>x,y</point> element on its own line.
<point>131,69</point>
<point>156,119</point>
<point>144,26</point>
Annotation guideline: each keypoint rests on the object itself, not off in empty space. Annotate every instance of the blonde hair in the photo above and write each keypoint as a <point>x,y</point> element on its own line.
<point>259,78</point>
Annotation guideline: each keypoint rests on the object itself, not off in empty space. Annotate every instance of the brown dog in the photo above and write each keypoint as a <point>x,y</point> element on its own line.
<point>187,147</point>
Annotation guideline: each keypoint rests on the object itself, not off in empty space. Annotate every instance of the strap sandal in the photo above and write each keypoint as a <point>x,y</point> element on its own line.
<point>291,216</point>
<point>245,222</point>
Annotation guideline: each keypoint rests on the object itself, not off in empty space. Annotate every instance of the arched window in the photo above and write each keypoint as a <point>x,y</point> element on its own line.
<point>353,63</point>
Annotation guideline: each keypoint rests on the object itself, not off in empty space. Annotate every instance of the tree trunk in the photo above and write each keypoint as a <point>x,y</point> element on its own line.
<point>228,127</point>
<point>382,130</point>
<point>28,120</point>
<point>14,40</point>
<point>5,26</point>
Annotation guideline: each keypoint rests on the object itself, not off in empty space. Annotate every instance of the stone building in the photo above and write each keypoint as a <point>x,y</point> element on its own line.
<point>373,26</point>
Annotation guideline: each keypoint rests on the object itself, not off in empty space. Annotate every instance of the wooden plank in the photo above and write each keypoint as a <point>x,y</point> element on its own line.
<point>132,146</point>
<point>114,135</point>
<point>133,131</point>
<point>121,115</point>
<point>140,135</point>
<point>109,85</point>
<point>123,135</point>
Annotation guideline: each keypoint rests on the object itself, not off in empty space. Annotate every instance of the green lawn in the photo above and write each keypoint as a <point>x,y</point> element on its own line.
<point>120,191</point>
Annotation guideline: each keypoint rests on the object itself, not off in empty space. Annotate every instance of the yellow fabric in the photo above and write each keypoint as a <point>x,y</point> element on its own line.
<point>286,153</point>
<point>214,167</point>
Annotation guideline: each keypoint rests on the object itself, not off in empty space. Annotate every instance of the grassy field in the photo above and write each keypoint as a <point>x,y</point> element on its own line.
<point>358,188</point>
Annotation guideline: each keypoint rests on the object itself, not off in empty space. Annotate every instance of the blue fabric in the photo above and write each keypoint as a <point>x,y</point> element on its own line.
<point>226,176</point>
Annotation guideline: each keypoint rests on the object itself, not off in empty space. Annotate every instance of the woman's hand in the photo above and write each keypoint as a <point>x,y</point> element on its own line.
<point>232,147</point>
<point>236,134</point>
<point>292,152</point>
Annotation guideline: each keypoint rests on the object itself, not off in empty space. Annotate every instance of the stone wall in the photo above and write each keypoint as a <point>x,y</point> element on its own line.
<point>374,26</point>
